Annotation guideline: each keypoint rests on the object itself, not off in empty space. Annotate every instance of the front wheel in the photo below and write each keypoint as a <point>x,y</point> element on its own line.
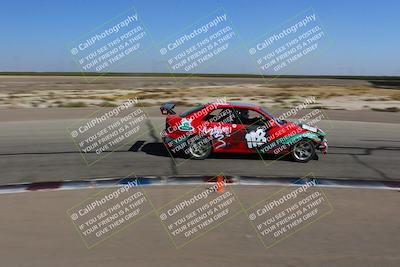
<point>199,148</point>
<point>303,151</point>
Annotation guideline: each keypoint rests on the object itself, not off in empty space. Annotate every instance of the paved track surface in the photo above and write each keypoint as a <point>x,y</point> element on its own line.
<point>362,230</point>
<point>42,150</point>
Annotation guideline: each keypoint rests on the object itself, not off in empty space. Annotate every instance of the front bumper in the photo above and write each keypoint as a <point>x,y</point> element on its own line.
<point>323,146</point>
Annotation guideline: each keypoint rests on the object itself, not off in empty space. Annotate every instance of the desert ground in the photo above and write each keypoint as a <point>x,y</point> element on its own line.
<point>19,91</point>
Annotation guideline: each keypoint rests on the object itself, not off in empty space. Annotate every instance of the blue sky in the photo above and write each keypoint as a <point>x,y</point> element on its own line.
<point>362,36</point>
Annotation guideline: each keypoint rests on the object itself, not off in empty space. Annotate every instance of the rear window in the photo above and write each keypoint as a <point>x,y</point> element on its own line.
<point>191,111</point>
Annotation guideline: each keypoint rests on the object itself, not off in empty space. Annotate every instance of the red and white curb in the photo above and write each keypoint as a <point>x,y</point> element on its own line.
<point>196,180</point>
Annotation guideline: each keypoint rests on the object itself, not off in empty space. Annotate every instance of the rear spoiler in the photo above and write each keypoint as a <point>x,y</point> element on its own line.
<point>168,109</point>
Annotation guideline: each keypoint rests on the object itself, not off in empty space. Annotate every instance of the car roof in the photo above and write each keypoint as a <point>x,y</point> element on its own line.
<point>235,104</point>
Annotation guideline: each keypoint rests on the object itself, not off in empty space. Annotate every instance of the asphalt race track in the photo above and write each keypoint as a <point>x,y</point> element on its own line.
<point>360,229</point>
<point>40,149</point>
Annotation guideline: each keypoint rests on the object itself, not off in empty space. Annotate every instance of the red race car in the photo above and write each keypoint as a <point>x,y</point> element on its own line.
<point>238,128</point>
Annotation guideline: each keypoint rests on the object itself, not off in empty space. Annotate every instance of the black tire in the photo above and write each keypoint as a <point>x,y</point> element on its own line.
<point>303,151</point>
<point>199,148</point>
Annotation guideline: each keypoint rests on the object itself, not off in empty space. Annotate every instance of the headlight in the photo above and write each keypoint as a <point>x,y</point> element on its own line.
<point>309,128</point>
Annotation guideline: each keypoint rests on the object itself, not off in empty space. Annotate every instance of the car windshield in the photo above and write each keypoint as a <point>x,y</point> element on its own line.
<point>281,122</point>
<point>191,111</point>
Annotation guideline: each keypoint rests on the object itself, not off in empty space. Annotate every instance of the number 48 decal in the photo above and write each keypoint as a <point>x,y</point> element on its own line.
<point>256,138</point>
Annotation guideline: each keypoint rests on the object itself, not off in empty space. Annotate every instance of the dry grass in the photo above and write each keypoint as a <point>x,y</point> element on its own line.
<point>153,93</point>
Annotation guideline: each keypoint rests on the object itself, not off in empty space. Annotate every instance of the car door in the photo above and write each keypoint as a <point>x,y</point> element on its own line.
<point>254,130</point>
<point>220,126</point>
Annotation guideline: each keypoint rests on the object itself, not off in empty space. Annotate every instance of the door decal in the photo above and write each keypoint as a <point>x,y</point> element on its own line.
<point>218,133</point>
<point>256,138</point>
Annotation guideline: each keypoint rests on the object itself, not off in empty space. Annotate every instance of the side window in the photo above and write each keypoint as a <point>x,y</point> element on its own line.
<point>221,115</point>
<point>250,117</point>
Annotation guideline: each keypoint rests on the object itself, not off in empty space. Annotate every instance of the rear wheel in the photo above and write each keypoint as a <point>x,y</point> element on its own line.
<point>199,148</point>
<point>303,151</point>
